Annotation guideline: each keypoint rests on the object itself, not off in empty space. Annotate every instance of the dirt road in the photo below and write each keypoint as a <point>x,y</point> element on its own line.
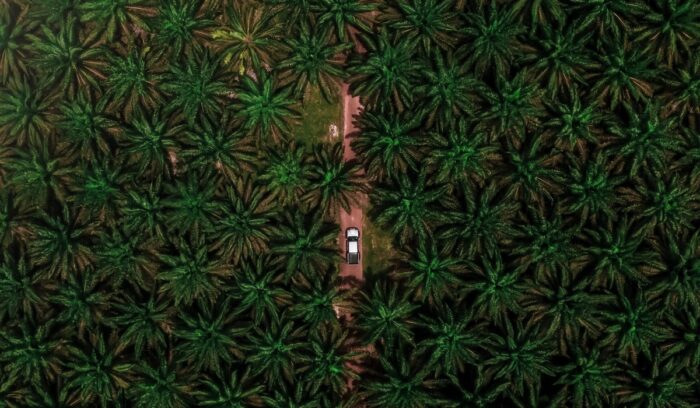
<point>351,107</point>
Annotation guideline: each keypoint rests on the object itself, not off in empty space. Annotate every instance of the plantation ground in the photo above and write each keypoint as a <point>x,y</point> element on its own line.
<point>316,116</point>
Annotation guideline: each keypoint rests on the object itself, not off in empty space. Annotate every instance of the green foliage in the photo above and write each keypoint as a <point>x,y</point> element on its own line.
<point>24,114</point>
<point>314,61</point>
<point>248,40</point>
<point>525,175</point>
<point>263,107</point>
<point>179,24</point>
<point>385,74</point>
<point>195,87</point>
<point>334,182</point>
<point>387,144</point>
<point>67,64</point>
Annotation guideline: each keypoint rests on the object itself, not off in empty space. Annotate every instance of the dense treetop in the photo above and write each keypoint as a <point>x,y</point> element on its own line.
<point>167,242</point>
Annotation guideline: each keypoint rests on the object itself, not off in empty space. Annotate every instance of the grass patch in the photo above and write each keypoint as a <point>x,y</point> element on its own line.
<point>377,248</point>
<point>317,115</point>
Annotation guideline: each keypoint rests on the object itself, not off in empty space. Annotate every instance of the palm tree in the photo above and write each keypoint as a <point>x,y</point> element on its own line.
<point>264,109</point>
<point>624,75</point>
<point>619,255</point>
<point>23,292</point>
<point>180,24</point>
<point>60,244</point>
<point>407,207</point>
<point>298,398</point>
<point>218,144</point>
<point>196,86</point>
<point>493,43</point>
<point>678,286</point>
<point>529,172</point>
<point>334,182</point>
<point>668,205</point>
<point>52,11</point>
<point>574,122</point>
<point>230,390</point>
<point>166,385</point>
<point>274,350</point>
<point>98,371</point>
<point>126,258</point>
<point>559,59</point>
<point>13,219</point>
<point>13,49</point>
<point>14,395</point>
<point>250,38</point>
<point>24,114</point>
<point>344,15</point>
<point>209,339</point>
<point>259,288</point>
<point>114,18</point>
<point>456,339</point>
<point>318,302</point>
<point>660,383</point>
<point>293,10</point>
<point>645,140</point>
<point>314,60</point>
<point>632,326</point>
<point>386,315</point>
<point>191,273</point>
<point>480,222</point>
<point>243,222</point>
<point>86,127</point>
<point>82,302</point>
<point>564,307</point>
<point>305,243</point>
<point>142,213</point>
<point>143,323</point>
<point>98,190</point>
<point>684,344</point>
<point>588,379</point>
<point>670,29</point>
<point>497,289</point>
<point>460,155</point>
<point>430,23</point>
<point>512,104</point>
<point>38,177</point>
<point>148,141</point>
<point>133,74</point>
<point>388,144</point>
<point>448,91</point>
<point>607,17</point>
<point>482,394</point>
<point>64,62</point>
<point>545,243</point>
<point>402,383</point>
<point>683,96</point>
<point>540,13</point>
<point>286,172</point>
<point>328,362</point>
<point>387,72</point>
<point>191,205</point>
<point>521,356</point>
<point>429,271</point>
<point>32,351</point>
<point>591,189</point>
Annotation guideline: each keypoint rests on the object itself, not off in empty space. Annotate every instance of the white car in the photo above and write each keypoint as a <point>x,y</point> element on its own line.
<point>352,245</point>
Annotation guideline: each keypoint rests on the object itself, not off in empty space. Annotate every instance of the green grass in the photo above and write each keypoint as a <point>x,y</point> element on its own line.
<point>377,248</point>
<point>316,117</point>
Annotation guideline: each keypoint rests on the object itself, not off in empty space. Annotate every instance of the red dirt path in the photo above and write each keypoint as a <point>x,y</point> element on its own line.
<point>351,108</point>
